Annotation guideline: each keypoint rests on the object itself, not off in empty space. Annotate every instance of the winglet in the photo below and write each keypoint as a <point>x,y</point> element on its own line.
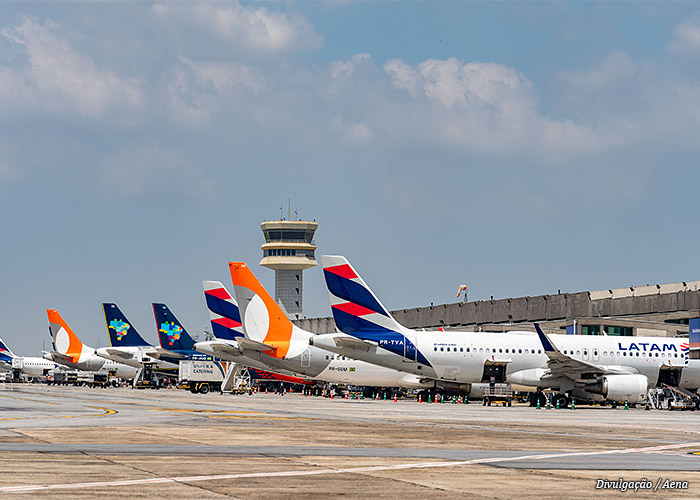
<point>546,344</point>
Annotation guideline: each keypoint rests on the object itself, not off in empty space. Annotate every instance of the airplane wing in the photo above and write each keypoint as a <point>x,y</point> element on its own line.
<point>354,343</point>
<point>254,345</point>
<point>561,365</point>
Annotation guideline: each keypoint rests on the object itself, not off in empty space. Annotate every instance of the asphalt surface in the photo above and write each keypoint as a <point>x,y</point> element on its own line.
<point>122,443</point>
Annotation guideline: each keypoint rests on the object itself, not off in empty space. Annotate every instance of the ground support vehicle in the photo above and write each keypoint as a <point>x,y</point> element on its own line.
<point>146,377</point>
<point>678,398</point>
<point>201,376</point>
<point>498,393</point>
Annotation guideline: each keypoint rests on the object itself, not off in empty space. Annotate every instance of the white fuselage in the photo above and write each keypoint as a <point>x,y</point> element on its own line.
<point>91,362</point>
<point>33,366</point>
<point>461,356</point>
<point>305,361</point>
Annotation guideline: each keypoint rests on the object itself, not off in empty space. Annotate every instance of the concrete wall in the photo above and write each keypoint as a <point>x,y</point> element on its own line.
<point>528,309</point>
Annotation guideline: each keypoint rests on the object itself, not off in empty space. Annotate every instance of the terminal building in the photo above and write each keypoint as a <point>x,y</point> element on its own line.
<point>289,249</point>
<point>652,310</point>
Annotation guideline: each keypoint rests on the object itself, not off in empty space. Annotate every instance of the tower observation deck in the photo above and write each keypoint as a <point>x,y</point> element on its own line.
<point>288,250</point>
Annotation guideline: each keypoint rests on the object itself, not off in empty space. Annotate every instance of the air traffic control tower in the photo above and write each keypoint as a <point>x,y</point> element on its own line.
<point>288,250</point>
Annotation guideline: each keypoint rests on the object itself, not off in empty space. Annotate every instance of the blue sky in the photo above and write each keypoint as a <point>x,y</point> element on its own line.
<point>520,148</point>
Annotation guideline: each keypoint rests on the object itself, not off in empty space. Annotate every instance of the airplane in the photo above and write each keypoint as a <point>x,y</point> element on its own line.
<point>225,320</point>
<point>273,339</point>
<point>584,367</point>
<point>127,346</point>
<point>30,365</point>
<point>71,352</point>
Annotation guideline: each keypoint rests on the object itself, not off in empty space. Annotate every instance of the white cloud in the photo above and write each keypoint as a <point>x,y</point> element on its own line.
<point>138,169</point>
<point>358,133</point>
<point>686,37</point>
<point>199,89</point>
<point>56,77</point>
<point>403,76</point>
<point>488,108</point>
<point>452,82</point>
<point>223,77</point>
<point>257,29</point>
<point>342,70</point>
<point>353,133</point>
<point>615,71</point>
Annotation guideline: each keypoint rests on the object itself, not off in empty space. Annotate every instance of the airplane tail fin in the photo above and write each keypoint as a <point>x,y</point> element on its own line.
<point>121,331</point>
<point>64,340</point>
<point>5,353</point>
<point>171,333</point>
<point>263,318</point>
<point>354,305</point>
<point>223,311</point>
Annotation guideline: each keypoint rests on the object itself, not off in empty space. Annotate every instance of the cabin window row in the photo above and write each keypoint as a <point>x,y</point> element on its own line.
<point>488,350</point>
<point>622,353</point>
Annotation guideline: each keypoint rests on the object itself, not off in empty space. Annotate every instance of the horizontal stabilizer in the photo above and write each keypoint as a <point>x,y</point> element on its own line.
<point>160,353</point>
<point>224,348</point>
<point>355,343</point>
<point>60,358</point>
<point>119,353</point>
<point>254,345</point>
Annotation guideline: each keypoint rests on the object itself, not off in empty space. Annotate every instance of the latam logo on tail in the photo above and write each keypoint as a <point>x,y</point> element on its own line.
<point>171,330</point>
<point>120,327</point>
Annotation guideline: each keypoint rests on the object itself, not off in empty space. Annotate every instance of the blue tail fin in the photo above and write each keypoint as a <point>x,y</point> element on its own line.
<point>171,333</point>
<point>5,353</point>
<point>121,331</point>
<point>223,311</point>
<point>354,305</point>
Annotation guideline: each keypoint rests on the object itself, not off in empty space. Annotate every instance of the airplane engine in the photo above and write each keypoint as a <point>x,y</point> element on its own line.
<point>630,388</point>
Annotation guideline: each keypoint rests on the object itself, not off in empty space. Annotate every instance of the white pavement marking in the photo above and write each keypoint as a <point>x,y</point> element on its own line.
<point>376,468</point>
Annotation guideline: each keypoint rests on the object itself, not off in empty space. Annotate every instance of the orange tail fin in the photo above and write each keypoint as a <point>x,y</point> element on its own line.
<point>65,341</point>
<point>263,320</point>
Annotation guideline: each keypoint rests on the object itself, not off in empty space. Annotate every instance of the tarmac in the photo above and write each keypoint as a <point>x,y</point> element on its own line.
<point>76,442</point>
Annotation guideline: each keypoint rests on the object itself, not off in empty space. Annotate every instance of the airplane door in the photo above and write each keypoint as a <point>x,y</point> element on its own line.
<point>595,354</point>
<point>306,359</point>
<point>410,352</point>
<point>586,354</point>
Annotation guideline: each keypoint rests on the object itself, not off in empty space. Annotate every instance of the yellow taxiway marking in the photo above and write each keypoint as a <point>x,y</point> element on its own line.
<point>229,414</point>
<point>261,417</point>
<point>27,399</point>
<point>106,411</point>
<point>185,410</point>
